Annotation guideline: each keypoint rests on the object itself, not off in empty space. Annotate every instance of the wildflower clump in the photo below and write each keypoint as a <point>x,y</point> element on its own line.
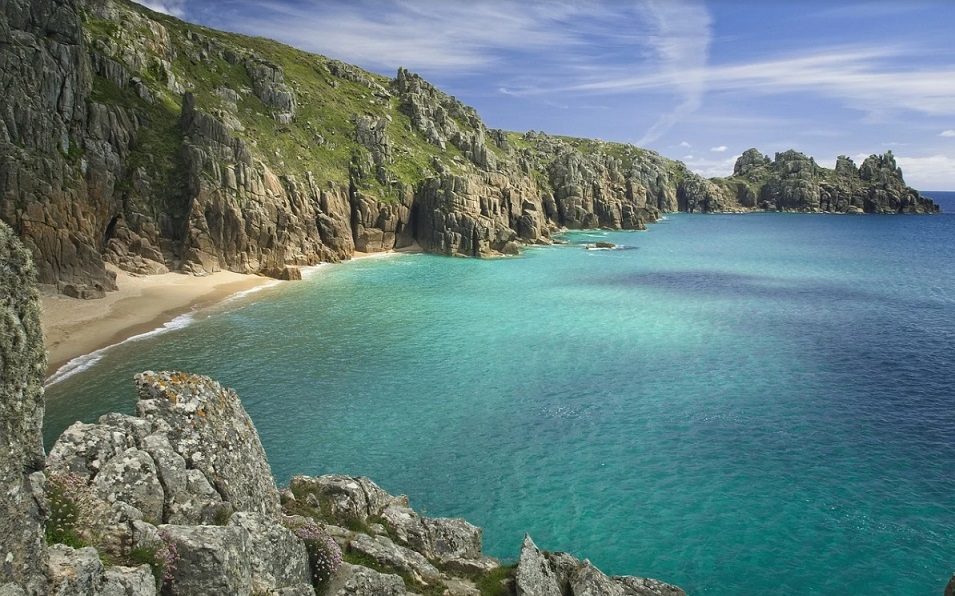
<point>69,500</point>
<point>324,554</point>
<point>161,557</point>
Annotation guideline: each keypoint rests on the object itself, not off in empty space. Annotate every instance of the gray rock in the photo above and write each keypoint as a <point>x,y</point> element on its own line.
<point>75,572</point>
<point>950,588</point>
<point>209,428</point>
<point>85,448</point>
<point>534,576</point>
<point>346,497</point>
<point>189,498</point>
<point>212,560</point>
<point>590,581</point>
<point>642,586</point>
<point>129,581</point>
<point>130,477</point>
<point>22,369</point>
<point>355,580</point>
<point>436,538</point>
<point>390,555</point>
<point>278,558</point>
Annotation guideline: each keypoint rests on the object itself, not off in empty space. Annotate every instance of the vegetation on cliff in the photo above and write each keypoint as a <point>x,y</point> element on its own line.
<point>134,138</point>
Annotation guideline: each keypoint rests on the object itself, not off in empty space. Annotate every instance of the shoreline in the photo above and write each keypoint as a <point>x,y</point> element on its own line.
<point>76,330</point>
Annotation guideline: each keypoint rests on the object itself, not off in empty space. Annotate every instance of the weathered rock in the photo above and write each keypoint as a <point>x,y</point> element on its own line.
<point>347,497</point>
<point>207,426</point>
<point>390,555</point>
<point>534,575</point>
<point>130,477</point>
<point>642,586</point>
<point>436,538</point>
<point>212,560</point>
<point>75,572</point>
<point>22,369</point>
<point>556,574</point>
<point>128,581</point>
<point>354,580</point>
<point>278,559</point>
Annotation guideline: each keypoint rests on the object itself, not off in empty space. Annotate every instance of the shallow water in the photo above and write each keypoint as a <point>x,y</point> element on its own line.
<point>735,404</point>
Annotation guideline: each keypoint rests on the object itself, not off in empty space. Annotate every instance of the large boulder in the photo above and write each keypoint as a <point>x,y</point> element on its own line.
<point>207,425</point>
<point>22,369</point>
<point>278,559</point>
<point>212,560</point>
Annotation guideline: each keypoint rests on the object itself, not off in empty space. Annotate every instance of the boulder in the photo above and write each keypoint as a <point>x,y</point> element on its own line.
<point>354,580</point>
<point>207,425</point>
<point>212,560</point>
<point>278,559</point>
<point>390,555</point>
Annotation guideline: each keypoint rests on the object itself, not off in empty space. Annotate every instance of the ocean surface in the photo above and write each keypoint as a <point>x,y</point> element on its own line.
<point>756,404</point>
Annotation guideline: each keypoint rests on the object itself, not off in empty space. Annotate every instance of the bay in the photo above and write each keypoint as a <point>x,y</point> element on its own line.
<point>735,404</point>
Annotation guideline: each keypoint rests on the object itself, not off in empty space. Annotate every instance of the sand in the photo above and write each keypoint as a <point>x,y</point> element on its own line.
<point>73,327</point>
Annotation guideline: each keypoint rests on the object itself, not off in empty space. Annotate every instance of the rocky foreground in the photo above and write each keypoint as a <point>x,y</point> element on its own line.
<point>180,499</point>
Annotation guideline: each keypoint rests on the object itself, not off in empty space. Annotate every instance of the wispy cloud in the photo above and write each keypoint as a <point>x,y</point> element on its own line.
<point>947,133</point>
<point>682,42</point>
<point>176,8</point>
<point>720,149</point>
<point>857,75</point>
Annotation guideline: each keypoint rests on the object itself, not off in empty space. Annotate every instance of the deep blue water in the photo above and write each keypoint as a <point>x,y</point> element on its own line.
<point>735,404</point>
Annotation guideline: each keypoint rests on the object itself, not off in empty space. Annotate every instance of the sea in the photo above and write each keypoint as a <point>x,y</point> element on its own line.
<point>736,404</point>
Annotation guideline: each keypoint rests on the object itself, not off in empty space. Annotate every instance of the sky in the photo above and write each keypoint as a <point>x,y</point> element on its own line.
<point>693,80</point>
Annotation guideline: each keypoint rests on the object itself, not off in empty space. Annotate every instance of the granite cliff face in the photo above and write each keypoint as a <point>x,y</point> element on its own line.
<point>133,138</point>
<point>181,500</point>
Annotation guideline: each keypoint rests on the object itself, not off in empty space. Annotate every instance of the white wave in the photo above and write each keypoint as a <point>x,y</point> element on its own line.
<point>245,293</point>
<point>84,362</point>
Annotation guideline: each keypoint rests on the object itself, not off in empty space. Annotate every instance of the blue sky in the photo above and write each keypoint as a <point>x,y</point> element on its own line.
<point>694,80</point>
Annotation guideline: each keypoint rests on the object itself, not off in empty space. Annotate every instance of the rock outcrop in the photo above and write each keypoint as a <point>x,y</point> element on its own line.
<point>794,182</point>
<point>559,574</point>
<point>23,556</point>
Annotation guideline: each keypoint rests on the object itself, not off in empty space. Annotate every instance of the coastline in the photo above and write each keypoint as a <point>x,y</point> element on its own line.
<point>74,328</point>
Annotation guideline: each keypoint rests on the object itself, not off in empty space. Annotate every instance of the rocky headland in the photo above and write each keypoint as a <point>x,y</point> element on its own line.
<point>133,138</point>
<point>180,499</point>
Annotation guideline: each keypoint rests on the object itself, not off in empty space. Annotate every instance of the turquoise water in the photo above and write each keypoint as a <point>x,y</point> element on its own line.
<point>735,404</point>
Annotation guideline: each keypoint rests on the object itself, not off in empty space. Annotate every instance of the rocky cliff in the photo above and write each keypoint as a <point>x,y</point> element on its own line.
<point>181,500</point>
<point>130,137</point>
<point>794,182</point>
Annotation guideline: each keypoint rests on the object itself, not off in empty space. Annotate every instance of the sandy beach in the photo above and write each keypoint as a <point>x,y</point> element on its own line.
<point>73,327</point>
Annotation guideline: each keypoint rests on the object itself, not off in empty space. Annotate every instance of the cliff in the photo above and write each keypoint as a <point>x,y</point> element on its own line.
<point>134,138</point>
<point>181,500</point>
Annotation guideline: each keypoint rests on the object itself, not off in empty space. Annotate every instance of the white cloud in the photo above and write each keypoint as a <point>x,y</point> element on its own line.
<point>933,172</point>
<point>176,8</point>
<point>713,168</point>
<point>685,144</point>
<point>719,149</point>
<point>947,133</point>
